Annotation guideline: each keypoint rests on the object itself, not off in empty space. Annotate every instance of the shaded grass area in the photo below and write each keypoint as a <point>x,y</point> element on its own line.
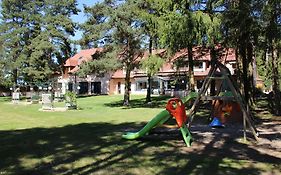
<point>88,141</point>
<point>156,102</point>
<point>98,148</point>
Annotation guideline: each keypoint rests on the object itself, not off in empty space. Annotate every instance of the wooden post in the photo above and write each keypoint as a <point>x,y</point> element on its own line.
<point>243,108</point>
<point>202,91</point>
<point>236,94</point>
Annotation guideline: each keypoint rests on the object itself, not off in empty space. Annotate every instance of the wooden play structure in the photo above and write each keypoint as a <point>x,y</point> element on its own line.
<point>235,100</point>
<point>226,111</point>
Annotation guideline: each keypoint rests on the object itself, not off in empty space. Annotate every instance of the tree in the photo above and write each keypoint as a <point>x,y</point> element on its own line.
<point>149,16</point>
<point>271,14</point>
<point>209,26</point>
<point>151,65</point>
<point>58,23</point>
<point>14,34</point>
<point>115,24</point>
<point>178,30</point>
<point>51,46</point>
<point>36,36</point>
<point>241,30</point>
<point>103,63</point>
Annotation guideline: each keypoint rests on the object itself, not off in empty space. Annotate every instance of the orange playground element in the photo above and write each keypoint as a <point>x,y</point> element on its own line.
<point>227,112</point>
<point>177,109</point>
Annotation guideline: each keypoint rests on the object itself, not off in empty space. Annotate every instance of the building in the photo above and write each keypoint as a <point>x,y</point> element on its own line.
<point>170,79</point>
<point>91,84</point>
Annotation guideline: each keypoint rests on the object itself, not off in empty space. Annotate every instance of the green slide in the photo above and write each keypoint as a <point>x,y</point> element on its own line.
<point>189,97</point>
<point>159,119</point>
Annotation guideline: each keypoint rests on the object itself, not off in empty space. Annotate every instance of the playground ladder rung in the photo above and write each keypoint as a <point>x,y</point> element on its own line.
<point>217,78</point>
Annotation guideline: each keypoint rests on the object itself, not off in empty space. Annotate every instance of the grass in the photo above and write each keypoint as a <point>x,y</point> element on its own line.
<point>88,141</point>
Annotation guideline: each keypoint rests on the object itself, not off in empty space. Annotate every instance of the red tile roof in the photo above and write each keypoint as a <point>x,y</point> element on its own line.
<point>121,74</point>
<point>203,54</point>
<point>83,55</point>
<point>199,53</point>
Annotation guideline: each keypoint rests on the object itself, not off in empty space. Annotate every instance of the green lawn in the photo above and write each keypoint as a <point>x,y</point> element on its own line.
<point>88,141</point>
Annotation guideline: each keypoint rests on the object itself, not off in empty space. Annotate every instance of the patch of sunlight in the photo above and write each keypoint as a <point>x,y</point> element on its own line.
<point>241,140</point>
<point>28,162</point>
<point>238,164</point>
<point>66,146</point>
<point>242,164</point>
<point>42,142</point>
<point>82,162</point>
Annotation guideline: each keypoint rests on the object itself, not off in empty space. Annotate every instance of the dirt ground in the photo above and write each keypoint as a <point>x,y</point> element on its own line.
<point>253,157</point>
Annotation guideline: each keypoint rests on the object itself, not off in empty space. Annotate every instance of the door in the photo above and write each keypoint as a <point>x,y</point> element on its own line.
<point>83,87</point>
<point>96,87</point>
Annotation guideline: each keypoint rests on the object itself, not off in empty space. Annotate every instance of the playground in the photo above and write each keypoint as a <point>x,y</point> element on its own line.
<point>89,141</point>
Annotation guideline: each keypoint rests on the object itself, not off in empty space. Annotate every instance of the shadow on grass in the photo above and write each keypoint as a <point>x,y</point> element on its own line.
<point>156,102</point>
<point>5,99</point>
<point>98,148</point>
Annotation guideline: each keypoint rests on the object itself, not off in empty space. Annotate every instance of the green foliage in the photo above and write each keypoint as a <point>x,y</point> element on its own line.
<point>70,97</point>
<point>70,100</point>
<point>152,64</point>
<point>115,24</point>
<point>35,36</point>
<point>104,63</point>
<point>35,97</point>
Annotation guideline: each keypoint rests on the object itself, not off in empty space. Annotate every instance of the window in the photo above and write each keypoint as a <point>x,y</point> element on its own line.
<point>119,87</point>
<point>198,64</point>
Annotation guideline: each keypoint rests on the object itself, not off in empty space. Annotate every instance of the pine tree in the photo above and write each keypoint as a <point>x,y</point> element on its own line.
<point>149,15</point>
<point>241,29</point>
<point>152,66</point>
<point>14,34</point>
<point>271,12</point>
<point>178,30</point>
<point>209,30</point>
<point>115,24</point>
<point>51,46</point>
<point>36,36</point>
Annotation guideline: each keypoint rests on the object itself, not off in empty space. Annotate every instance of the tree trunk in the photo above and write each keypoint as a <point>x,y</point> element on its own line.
<point>250,77</point>
<point>275,81</point>
<point>273,40</point>
<point>245,74</point>
<point>148,93</point>
<point>126,101</point>
<point>238,69</point>
<point>245,56</point>
<point>191,83</point>
<point>15,77</point>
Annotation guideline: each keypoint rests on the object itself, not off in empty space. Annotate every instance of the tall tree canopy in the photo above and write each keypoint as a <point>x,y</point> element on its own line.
<point>36,36</point>
<point>270,46</point>
<point>115,24</point>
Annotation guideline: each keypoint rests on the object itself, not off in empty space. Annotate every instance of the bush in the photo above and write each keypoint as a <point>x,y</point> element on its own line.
<point>70,100</point>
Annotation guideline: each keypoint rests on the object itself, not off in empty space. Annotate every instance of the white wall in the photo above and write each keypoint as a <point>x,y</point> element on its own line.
<point>90,78</point>
<point>104,82</point>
